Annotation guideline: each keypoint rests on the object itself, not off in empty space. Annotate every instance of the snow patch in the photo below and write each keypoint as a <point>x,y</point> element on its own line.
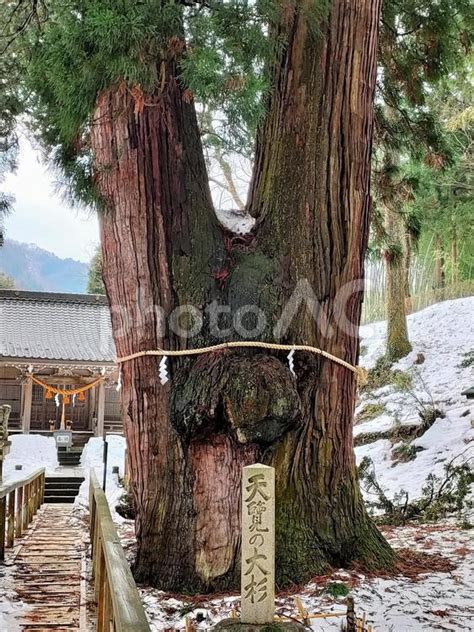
<point>93,458</point>
<point>32,452</point>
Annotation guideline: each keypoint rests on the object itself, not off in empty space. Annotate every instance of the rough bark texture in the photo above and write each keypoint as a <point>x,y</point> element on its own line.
<point>310,195</point>
<point>454,255</point>
<point>398,344</point>
<point>161,247</point>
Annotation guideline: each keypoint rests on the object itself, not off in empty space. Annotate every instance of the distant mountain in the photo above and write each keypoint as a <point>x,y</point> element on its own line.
<point>33,268</point>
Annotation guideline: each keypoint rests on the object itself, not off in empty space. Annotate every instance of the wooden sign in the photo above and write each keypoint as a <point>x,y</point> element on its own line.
<point>258,544</point>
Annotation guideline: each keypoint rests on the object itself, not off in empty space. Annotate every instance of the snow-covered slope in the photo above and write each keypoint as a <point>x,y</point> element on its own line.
<point>443,333</point>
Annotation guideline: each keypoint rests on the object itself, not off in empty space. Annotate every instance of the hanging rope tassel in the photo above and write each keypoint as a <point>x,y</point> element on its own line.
<point>164,377</point>
<point>291,362</point>
<point>362,376</point>
<point>119,381</point>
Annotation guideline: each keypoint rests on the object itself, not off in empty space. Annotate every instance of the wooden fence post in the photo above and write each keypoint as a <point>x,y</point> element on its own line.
<point>19,512</point>
<point>25,508</point>
<point>11,519</point>
<point>19,502</point>
<point>351,618</point>
<point>3,511</point>
<point>100,586</point>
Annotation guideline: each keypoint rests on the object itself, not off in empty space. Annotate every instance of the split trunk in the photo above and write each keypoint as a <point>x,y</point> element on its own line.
<point>301,268</point>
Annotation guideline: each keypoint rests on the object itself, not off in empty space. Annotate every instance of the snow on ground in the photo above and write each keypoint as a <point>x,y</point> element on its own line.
<point>442,600</point>
<point>443,333</point>
<point>11,606</point>
<point>32,452</point>
<point>93,458</point>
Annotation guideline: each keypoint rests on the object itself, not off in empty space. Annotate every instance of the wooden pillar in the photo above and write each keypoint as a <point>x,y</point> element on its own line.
<point>100,410</point>
<point>3,517</point>
<point>27,399</point>
<point>92,409</point>
<point>63,416</point>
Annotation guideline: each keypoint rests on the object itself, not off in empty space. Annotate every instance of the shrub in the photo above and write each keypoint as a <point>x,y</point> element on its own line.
<point>380,375</point>
<point>402,381</point>
<point>428,416</point>
<point>468,360</point>
<point>370,411</point>
<point>336,589</point>
<point>439,496</point>
<point>404,452</point>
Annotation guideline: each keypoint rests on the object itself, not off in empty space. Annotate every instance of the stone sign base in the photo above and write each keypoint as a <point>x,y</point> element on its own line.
<point>235,625</point>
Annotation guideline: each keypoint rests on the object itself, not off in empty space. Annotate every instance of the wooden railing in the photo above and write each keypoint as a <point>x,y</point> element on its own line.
<point>19,502</point>
<point>119,605</point>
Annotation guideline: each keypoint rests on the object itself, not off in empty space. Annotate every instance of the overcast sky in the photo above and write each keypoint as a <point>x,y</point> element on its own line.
<point>41,215</point>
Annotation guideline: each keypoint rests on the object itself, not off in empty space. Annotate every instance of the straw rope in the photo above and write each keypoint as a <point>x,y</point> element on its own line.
<point>65,392</point>
<point>359,371</point>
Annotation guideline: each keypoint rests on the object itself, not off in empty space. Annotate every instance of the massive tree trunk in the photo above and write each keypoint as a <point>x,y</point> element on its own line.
<point>310,195</point>
<point>161,245</point>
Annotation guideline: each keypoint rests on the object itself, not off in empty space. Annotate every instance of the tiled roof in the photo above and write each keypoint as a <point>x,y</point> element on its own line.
<point>67,327</point>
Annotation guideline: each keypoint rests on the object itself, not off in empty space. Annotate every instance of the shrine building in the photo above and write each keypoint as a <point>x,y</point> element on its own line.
<point>57,364</point>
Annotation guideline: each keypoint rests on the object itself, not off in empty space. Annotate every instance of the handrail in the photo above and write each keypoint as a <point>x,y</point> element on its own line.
<point>9,487</point>
<point>19,502</point>
<point>119,605</point>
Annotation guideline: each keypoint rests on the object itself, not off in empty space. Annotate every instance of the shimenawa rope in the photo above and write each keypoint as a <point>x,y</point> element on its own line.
<point>359,371</point>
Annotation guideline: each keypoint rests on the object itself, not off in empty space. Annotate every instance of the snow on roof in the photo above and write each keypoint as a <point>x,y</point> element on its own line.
<point>50,326</point>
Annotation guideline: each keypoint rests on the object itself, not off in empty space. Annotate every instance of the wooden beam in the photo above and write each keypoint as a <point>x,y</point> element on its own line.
<point>27,398</point>
<point>100,410</point>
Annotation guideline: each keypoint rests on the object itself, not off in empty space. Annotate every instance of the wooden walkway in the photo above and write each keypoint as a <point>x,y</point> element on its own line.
<point>47,572</point>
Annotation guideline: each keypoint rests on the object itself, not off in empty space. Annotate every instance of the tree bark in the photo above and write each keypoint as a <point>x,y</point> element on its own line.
<point>407,263</point>
<point>310,195</point>
<point>398,344</point>
<point>454,255</point>
<point>162,247</point>
<point>440,277</point>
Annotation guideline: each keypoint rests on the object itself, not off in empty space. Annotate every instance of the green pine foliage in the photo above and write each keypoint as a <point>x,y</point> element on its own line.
<point>442,201</point>
<point>421,42</point>
<point>87,46</point>
<point>60,55</point>
<point>10,108</point>
<point>440,496</point>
